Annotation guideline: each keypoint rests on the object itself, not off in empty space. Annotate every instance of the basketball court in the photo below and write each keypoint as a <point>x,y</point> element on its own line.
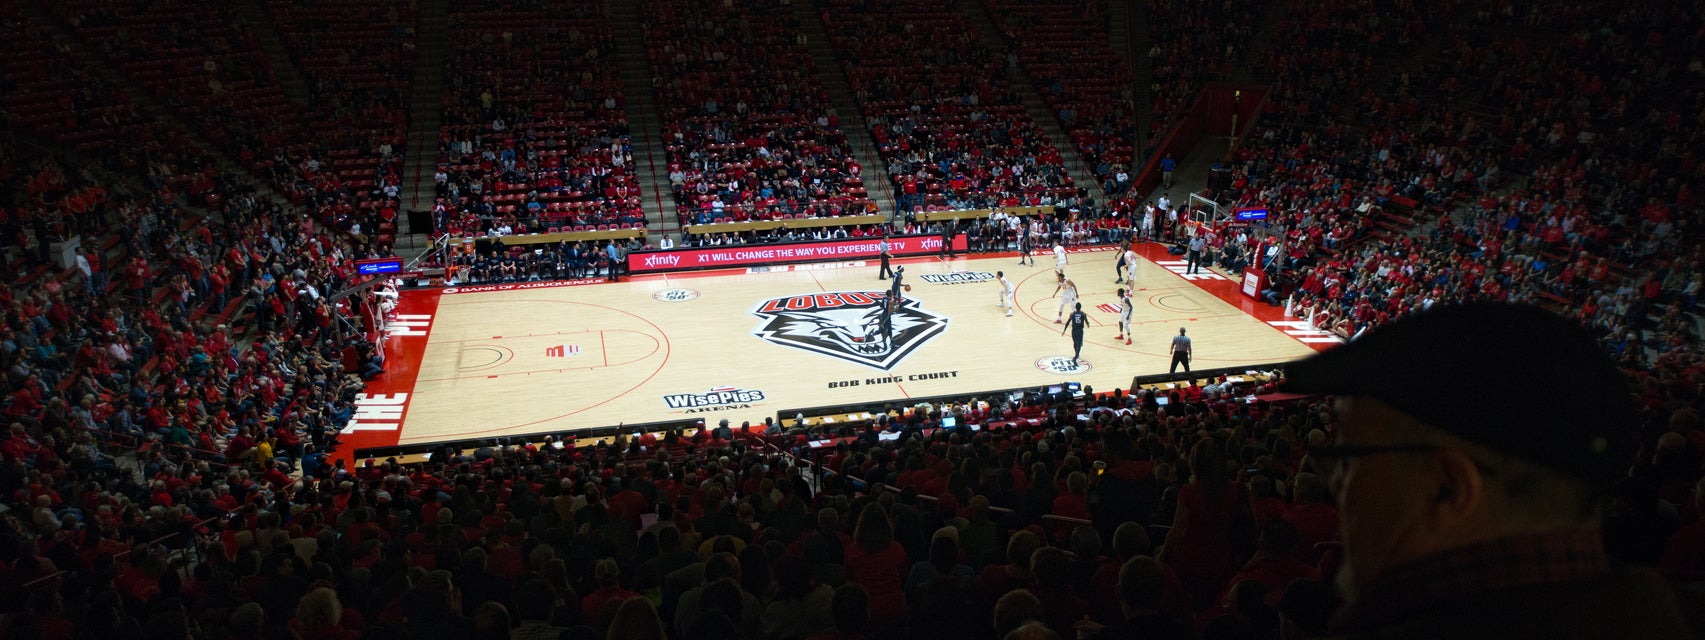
<point>527,358</point>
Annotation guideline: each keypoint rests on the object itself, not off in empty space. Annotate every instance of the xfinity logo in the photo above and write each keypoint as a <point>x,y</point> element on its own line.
<point>663,260</point>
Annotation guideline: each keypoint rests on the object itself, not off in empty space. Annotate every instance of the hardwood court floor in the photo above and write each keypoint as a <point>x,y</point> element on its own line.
<point>748,343</point>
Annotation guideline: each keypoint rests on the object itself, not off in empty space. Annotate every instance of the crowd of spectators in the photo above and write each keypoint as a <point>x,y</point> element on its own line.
<point>1346,37</point>
<point>1200,518</point>
<point>1591,223</point>
<point>748,128</point>
<point>118,352</point>
<point>534,130</point>
<point>564,260</point>
<point>342,162</point>
<point>941,113</point>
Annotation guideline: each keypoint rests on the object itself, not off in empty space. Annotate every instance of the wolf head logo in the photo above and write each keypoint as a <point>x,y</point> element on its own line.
<point>849,325</point>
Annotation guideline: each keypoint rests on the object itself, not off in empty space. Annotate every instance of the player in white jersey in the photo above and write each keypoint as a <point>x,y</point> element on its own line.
<point>1006,292</point>
<point>1125,309</point>
<point>1128,272</point>
<point>1059,259</point>
<point>1067,291</point>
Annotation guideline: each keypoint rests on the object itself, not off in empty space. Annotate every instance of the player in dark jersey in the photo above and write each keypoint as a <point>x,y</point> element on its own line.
<point>1077,323</point>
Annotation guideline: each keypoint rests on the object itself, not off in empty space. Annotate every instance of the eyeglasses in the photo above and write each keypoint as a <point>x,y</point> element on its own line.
<point>1353,451</point>
<point>1333,459</point>
<point>1337,456</point>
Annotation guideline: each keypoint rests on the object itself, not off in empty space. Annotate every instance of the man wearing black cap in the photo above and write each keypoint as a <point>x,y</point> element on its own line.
<point>1474,446</point>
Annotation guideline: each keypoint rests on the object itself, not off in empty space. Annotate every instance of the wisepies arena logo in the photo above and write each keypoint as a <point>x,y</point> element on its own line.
<point>957,277</point>
<point>717,398</point>
<point>848,325</point>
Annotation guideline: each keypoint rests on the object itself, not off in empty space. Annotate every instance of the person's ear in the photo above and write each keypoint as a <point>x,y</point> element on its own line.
<point>1460,488</point>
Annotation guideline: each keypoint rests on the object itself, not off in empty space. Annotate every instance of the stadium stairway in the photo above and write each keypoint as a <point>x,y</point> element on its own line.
<point>266,32</point>
<point>1142,68</point>
<point>426,112</point>
<point>1034,105</point>
<point>645,129</point>
<point>1121,30</point>
<point>834,79</point>
<point>1266,27</point>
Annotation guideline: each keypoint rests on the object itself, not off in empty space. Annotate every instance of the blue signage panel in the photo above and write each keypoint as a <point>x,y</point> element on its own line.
<point>379,266</point>
<point>1246,215</point>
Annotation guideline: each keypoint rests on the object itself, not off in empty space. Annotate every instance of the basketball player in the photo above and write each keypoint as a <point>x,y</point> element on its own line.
<point>1125,309</point>
<point>1006,292</point>
<point>889,306</point>
<point>1038,234</point>
<point>1024,241</point>
<point>1059,259</point>
<point>1068,298</point>
<point>1129,270</point>
<point>1080,320</point>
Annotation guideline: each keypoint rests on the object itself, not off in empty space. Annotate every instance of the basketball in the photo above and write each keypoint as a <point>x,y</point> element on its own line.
<point>908,288</point>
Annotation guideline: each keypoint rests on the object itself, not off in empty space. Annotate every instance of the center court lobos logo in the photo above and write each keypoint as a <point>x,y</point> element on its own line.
<point>848,325</point>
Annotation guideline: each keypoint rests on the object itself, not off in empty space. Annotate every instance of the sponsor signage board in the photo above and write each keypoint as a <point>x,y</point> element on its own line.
<point>747,255</point>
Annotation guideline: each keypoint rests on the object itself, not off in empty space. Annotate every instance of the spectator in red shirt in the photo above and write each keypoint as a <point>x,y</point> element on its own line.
<point>1264,502</point>
<point>1199,546</point>
<point>1315,520</point>
<point>878,563</point>
<point>1684,555</point>
<point>1072,504</point>
<point>1275,565</point>
<point>1052,567</point>
<point>608,574</point>
<point>998,579</point>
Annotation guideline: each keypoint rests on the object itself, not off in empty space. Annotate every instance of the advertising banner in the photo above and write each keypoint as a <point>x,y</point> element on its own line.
<point>759,254</point>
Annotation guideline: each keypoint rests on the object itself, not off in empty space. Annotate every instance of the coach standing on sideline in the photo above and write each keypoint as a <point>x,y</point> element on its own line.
<point>1476,446</point>
<point>885,256</point>
<point>1180,351</point>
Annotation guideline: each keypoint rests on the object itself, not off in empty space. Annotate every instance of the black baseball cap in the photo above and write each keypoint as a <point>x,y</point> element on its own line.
<point>1518,379</point>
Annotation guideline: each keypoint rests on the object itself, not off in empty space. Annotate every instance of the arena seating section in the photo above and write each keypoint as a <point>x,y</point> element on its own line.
<point>358,59</point>
<point>163,462</point>
<point>748,127</point>
<point>562,157</point>
<point>950,127</point>
<point>59,99</point>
